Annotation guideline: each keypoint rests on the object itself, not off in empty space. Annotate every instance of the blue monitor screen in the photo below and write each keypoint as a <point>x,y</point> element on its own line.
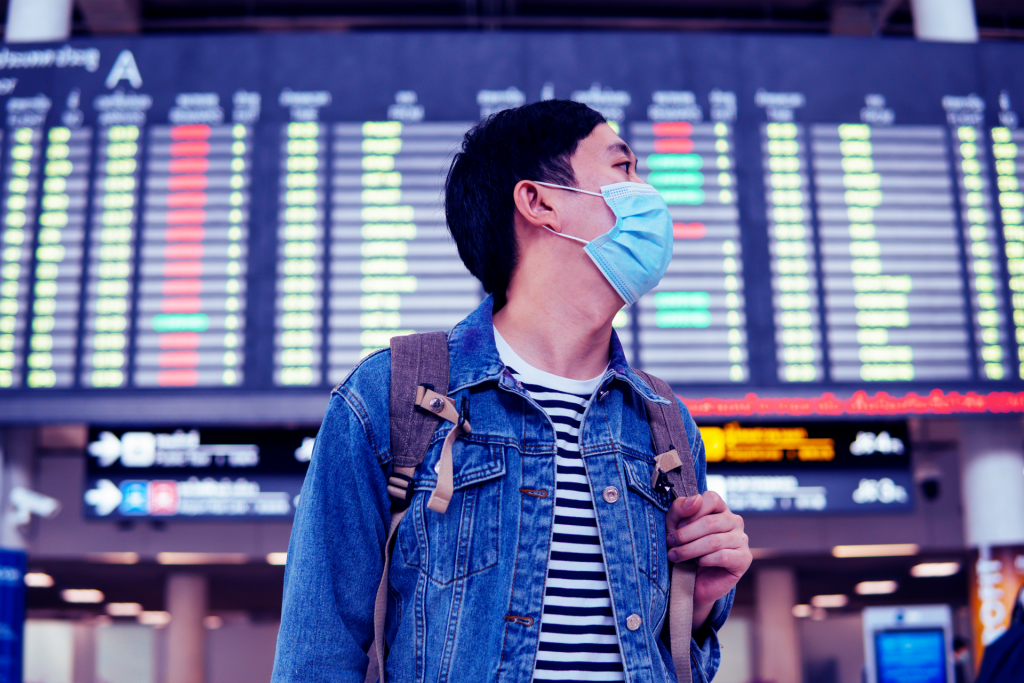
<point>911,656</point>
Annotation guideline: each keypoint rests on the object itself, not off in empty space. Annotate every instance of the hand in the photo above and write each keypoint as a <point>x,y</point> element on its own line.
<point>703,527</point>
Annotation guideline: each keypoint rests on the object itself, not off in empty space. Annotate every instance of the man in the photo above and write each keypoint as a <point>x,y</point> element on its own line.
<point>552,560</point>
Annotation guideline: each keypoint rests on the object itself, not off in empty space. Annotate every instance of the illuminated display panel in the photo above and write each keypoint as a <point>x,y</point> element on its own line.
<point>111,267</point>
<point>793,468</point>
<point>267,268</point>
<point>1009,167</point>
<point>692,326</point>
<point>795,302</point>
<point>191,320</point>
<point>394,269</point>
<point>982,263</point>
<point>21,166</point>
<point>195,473</point>
<point>890,254</point>
<point>298,318</point>
<point>60,239</point>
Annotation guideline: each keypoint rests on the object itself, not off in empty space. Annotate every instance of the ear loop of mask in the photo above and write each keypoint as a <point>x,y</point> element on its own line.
<point>571,189</point>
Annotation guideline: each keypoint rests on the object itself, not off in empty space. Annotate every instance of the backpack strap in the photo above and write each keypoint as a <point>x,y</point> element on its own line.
<point>419,375</point>
<point>671,472</point>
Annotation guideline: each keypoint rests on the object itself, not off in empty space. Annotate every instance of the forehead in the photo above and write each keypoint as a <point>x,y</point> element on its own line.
<point>603,144</point>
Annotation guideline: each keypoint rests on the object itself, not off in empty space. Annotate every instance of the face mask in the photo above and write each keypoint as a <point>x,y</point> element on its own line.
<point>634,255</point>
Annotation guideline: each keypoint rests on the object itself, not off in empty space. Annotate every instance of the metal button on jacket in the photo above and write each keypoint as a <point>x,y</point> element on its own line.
<point>611,494</point>
<point>633,622</point>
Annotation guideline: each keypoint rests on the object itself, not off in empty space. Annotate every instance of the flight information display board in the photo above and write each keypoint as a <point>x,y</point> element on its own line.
<point>188,473</point>
<point>807,468</point>
<point>204,224</point>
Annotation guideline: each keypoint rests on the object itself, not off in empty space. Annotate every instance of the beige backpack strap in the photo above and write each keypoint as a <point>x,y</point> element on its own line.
<point>419,369</point>
<point>676,473</point>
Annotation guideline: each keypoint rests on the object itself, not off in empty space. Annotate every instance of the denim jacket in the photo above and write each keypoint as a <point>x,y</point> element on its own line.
<point>466,587</point>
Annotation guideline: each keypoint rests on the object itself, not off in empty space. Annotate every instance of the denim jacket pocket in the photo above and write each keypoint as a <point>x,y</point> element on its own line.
<point>647,512</point>
<point>452,545</point>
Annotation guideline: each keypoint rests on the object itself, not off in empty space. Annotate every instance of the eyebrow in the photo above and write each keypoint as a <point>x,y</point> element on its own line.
<point>621,147</point>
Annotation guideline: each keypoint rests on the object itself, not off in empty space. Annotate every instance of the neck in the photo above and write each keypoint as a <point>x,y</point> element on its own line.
<point>557,332</point>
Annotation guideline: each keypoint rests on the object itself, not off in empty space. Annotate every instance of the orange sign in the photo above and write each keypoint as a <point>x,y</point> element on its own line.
<point>734,443</point>
<point>997,575</point>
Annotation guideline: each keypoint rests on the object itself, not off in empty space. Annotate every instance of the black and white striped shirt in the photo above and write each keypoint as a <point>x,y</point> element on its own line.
<point>577,633</point>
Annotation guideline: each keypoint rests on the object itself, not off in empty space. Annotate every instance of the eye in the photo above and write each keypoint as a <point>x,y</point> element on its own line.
<point>625,166</point>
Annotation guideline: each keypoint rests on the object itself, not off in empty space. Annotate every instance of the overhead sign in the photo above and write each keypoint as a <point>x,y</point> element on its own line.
<point>810,468</point>
<point>193,473</point>
<point>200,242</point>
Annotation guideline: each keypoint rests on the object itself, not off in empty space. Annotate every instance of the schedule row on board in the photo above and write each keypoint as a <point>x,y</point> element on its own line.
<point>364,249</point>
<point>895,300</point>
<point>193,256</point>
<point>692,327</point>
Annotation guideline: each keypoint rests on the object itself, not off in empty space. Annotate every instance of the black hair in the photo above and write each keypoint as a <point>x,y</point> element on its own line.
<point>532,142</point>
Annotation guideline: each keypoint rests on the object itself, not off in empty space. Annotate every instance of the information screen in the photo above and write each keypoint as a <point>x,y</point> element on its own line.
<point>806,468</point>
<point>195,473</point>
<point>215,229</point>
<point>917,655</point>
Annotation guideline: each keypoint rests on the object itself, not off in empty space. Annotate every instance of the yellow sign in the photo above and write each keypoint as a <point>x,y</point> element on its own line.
<point>733,443</point>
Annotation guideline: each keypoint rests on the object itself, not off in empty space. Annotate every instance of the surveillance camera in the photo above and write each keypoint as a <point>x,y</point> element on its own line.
<point>929,480</point>
<point>27,503</point>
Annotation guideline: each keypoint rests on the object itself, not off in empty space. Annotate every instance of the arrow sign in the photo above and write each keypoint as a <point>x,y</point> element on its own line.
<point>105,497</point>
<point>107,450</point>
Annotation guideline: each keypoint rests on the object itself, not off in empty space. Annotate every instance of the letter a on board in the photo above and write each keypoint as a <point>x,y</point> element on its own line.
<point>125,69</point>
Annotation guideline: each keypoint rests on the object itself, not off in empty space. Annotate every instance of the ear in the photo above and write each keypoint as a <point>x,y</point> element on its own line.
<point>534,204</point>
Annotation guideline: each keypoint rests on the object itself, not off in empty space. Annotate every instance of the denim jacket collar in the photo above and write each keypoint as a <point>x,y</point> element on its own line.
<point>475,359</point>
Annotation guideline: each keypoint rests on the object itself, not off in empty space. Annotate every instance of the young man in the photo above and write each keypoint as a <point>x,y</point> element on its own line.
<point>553,558</point>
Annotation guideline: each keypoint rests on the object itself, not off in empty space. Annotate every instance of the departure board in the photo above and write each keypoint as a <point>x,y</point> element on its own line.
<point>21,167</point>
<point>1009,167</point>
<point>191,329</point>
<point>692,327</point>
<point>795,302</point>
<point>217,228</point>
<point>981,250</point>
<point>111,264</point>
<point>890,254</point>
<point>394,269</point>
<point>299,319</point>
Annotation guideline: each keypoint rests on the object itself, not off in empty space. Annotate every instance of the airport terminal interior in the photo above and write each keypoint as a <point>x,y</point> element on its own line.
<point>212,211</point>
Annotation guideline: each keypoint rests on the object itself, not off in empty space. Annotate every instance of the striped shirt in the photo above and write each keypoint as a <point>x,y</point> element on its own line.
<point>577,632</point>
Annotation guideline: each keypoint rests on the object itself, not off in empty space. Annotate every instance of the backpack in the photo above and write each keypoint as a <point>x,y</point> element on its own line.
<point>419,375</point>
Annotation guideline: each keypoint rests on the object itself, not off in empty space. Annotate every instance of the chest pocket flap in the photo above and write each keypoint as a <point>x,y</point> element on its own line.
<point>638,476</point>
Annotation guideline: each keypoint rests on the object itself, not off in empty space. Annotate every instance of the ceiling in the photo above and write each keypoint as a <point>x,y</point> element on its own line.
<point>997,19</point>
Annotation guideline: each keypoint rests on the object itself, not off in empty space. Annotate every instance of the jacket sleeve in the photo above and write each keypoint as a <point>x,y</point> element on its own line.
<point>705,648</point>
<point>335,555</point>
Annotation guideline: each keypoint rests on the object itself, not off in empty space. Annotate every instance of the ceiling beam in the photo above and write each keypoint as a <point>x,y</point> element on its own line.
<point>104,17</point>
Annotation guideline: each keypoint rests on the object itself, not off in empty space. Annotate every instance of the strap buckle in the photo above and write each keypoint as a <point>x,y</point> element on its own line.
<point>399,490</point>
<point>662,484</point>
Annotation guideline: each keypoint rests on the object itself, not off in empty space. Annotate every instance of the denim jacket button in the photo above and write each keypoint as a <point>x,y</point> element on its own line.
<point>611,494</point>
<point>633,622</point>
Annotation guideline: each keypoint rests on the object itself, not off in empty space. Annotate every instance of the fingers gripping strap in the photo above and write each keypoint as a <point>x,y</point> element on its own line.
<point>680,611</point>
<point>669,433</point>
<point>416,359</point>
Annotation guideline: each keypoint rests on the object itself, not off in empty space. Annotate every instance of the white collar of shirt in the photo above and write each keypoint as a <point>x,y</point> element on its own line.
<point>531,375</point>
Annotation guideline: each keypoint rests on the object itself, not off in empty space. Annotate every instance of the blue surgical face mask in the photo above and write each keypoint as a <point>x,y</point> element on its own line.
<point>634,255</point>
